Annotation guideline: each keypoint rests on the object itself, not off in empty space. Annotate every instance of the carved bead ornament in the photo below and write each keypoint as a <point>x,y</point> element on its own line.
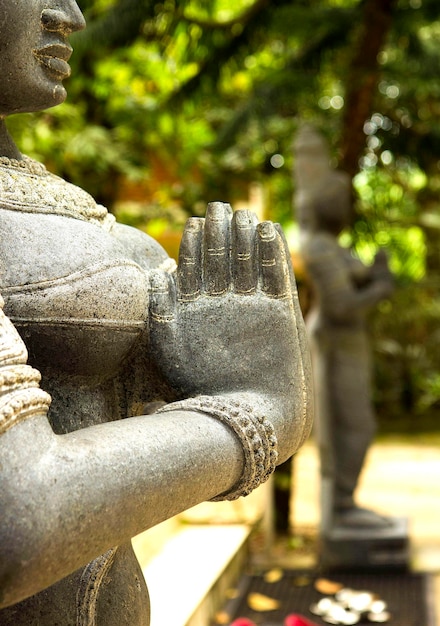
<point>255,432</point>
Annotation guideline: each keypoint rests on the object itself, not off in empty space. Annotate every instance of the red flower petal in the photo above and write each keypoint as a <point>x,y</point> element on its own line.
<point>298,620</point>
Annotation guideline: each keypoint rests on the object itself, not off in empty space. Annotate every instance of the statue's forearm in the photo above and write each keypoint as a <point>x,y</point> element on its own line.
<point>344,286</point>
<point>71,497</point>
<point>342,302</point>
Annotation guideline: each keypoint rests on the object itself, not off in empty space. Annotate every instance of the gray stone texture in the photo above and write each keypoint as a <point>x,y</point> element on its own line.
<point>168,386</point>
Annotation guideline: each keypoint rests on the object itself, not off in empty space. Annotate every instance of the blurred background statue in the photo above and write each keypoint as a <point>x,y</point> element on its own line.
<point>344,291</point>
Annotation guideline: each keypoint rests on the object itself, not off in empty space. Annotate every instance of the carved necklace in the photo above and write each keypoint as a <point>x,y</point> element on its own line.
<point>26,186</point>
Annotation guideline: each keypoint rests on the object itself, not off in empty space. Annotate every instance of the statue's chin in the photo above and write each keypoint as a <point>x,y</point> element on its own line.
<point>59,94</point>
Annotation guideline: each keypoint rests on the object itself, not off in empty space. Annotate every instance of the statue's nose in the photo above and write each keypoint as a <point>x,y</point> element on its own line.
<point>66,19</point>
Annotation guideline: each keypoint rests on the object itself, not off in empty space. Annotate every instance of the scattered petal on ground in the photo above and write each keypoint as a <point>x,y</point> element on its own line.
<point>222,618</point>
<point>260,602</point>
<point>298,620</point>
<point>243,621</point>
<point>326,586</point>
<point>273,575</point>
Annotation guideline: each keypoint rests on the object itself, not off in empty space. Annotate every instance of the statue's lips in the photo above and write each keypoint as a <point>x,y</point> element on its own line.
<point>54,57</point>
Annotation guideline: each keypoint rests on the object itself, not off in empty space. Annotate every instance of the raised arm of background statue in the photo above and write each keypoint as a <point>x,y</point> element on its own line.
<point>228,325</point>
<point>66,499</point>
<point>341,293</point>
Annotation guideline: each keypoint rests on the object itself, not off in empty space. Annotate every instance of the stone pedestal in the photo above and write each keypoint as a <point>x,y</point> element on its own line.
<point>366,548</point>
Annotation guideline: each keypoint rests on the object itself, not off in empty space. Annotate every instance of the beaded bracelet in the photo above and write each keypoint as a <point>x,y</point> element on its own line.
<point>255,433</point>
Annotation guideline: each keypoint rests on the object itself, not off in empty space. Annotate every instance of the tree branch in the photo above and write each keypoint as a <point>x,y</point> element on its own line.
<point>362,80</point>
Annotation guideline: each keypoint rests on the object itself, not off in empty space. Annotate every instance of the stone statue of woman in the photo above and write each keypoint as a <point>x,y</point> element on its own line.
<point>96,310</point>
<point>345,290</point>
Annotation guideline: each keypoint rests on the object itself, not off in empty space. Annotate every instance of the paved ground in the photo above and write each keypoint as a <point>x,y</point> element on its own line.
<point>401,478</point>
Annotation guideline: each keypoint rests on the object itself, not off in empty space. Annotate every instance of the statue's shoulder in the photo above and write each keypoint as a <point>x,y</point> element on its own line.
<point>28,191</point>
<point>26,186</point>
<point>142,248</point>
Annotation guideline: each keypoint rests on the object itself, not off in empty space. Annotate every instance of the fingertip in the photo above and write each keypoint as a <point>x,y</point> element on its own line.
<point>194,224</point>
<point>162,296</point>
<point>189,271</point>
<point>243,218</point>
<point>274,275</point>
<point>218,210</point>
<point>189,251</point>
<point>158,281</point>
<point>266,231</point>
<point>217,241</point>
<point>244,267</point>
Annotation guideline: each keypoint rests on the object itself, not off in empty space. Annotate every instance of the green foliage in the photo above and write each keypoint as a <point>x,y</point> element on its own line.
<point>387,218</point>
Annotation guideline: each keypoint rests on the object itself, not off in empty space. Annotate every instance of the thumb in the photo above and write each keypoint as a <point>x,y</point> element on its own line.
<point>162,307</point>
